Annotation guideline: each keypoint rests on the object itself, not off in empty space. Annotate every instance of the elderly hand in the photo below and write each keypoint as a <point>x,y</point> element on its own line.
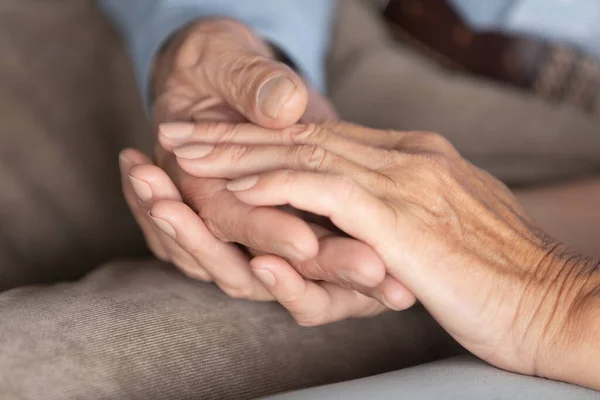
<point>219,70</point>
<point>450,232</point>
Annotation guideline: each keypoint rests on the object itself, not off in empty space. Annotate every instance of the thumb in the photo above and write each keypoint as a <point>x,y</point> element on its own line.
<point>265,91</point>
<point>238,68</point>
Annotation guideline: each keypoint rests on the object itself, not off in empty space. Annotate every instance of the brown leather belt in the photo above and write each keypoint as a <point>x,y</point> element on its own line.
<point>557,73</point>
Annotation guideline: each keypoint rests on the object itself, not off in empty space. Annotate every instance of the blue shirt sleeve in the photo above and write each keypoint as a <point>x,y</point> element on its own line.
<point>301,28</point>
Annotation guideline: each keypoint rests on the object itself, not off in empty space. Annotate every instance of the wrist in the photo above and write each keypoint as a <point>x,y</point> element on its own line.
<point>566,317</point>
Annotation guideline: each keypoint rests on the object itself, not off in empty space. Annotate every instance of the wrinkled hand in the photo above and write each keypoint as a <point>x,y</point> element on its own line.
<point>450,232</point>
<point>219,71</point>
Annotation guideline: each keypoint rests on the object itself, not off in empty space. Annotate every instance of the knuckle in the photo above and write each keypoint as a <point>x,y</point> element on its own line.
<point>252,71</point>
<point>311,156</point>
<point>208,211</point>
<point>436,161</point>
<point>312,270</point>
<point>214,228</point>
<point>239,75</point>
<point>244,230</point>
<point>432,165</point>
<point>309,134</point>
<point>198,193</point>
<point>224,131</point>
<point>438,143</point>
<point>389,158</point>
<point>191,49</point>
<point>229,222</point>
<point>255,64</point>
<point>239,153</point>
<point>440,164</point>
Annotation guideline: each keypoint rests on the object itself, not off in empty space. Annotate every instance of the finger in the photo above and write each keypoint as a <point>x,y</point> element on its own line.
<point>381,138</point>
<point>239,69</point>
<point>349,206</point>
<point>226,263</point>
<point>184,261</point>
<point>394,295</point>
<point>234,161</point>
<point>320,226</point>
<point>345,262</point>
<point>404,141</point>
<point>265,91</point>
<point>152,184</point>
<point>351,264</point>
<point>217,134</point>
<point>267,229</point>
<point>127,160</point>
<point>311,303</point>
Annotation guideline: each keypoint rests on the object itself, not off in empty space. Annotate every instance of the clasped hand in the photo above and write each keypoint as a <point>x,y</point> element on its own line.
<point>219,70</point>
<point>406,216</point>
<point>446,232</point>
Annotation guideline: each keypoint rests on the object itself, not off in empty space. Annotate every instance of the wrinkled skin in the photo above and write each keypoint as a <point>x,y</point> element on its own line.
<point>453,234</point>
<point>216,70</point>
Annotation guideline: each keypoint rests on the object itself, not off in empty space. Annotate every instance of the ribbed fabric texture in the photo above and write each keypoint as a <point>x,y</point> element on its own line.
<point>143,331</point>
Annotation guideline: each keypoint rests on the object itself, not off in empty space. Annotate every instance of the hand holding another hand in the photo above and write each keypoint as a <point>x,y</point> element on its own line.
<point>218,70</point>
<point>450,232</point>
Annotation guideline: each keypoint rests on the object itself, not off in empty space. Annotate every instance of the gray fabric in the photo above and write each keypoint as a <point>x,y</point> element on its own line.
<point>141,330</point>
<point>68,104</point>
<point>461,378</point>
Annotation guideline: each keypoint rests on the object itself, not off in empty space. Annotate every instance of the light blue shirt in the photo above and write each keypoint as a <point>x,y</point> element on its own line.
<point>576,22</point>
<point>301,28</point>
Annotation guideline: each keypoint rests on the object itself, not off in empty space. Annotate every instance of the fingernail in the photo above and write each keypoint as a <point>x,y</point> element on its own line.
<point>242,184</point>
<point>194,151</point>
<point>164,226</point>
<point>266,277</point>
<point>176,130</point>
<point>290,252</point>
<point>141,189</point>
<point>125,163</point>
<point>274,94</point>
<point>386,303</point>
